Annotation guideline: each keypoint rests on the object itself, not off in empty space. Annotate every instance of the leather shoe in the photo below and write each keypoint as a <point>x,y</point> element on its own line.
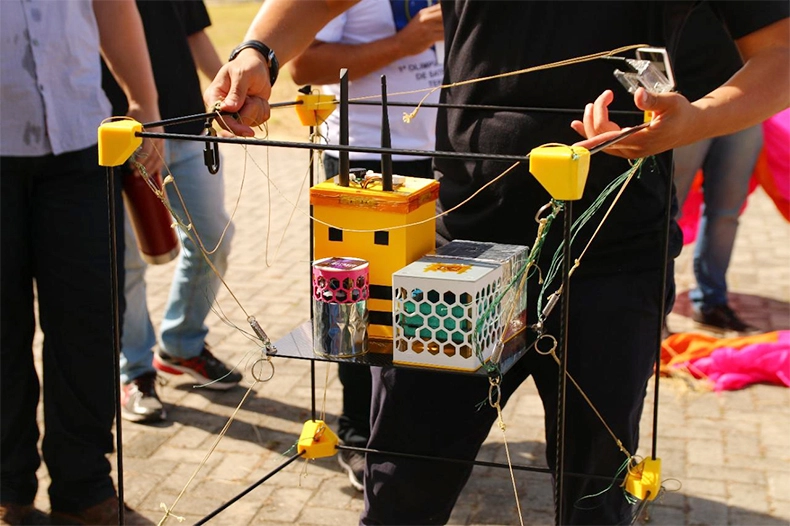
<point>13,514</point>
<point>721,317</point>
<point>105,512</point>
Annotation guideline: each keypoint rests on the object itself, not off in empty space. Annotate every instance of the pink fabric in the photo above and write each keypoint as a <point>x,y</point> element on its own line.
<point>690,211</point>
<point>774,175</point>
<point>731,369</point>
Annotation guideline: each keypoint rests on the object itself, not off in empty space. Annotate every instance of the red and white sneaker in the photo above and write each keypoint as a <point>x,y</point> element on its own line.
<point>205,368</point>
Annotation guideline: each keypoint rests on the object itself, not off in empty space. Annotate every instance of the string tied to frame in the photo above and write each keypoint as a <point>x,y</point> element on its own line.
<point>494,400</point>
<point>168,513</point>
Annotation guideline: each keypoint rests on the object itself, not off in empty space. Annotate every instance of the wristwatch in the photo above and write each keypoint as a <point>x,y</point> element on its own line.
<point>263,49</point>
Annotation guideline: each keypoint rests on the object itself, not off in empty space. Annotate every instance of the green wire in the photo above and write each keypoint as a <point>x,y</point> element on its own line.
<point>489,312</point>
<point>577,226</point>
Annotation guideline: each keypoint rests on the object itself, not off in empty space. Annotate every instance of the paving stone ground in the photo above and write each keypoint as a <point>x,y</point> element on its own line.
<point>725,456</point>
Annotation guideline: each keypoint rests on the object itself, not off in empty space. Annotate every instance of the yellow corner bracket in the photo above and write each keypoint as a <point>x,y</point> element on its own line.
<point>561,170</point>
<point>315,108</point>
<point>317,440</point>
<point>644,480</point>
<point>118,141</point>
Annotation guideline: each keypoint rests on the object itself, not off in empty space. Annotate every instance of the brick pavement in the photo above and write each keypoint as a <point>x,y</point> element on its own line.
<point>727,454</point>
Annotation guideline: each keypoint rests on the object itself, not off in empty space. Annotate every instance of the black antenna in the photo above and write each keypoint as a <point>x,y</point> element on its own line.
<point>342,177</point>
<point>386,140</point>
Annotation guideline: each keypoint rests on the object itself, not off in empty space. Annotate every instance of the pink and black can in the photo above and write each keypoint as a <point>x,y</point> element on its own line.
<point>340,306</point>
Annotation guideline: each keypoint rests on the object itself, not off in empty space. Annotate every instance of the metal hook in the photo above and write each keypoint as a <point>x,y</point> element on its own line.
<point>551,339</point>
<point>494,392</point>
<point>257,373</point>
<point>547,206</point>
<point>211,151</point>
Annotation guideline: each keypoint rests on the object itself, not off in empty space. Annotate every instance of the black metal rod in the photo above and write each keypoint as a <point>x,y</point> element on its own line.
<point>481,107</point>
<point>312,390</point>
<point>518,467</point>
<point>475,462</point>
<point>116,334</point>
<point>563,362</point>
<point>343,162</point>
<point>311,227</point>
<point>662,300</point>
<point>338,147</point>
<point>640,508</point>
<point>615,140</point>
<point>386,140</point>
<point>209,115</point>
<point>373,149</point>
<point>249,489</point>
<point>489,107</point>
<point>185,118</point>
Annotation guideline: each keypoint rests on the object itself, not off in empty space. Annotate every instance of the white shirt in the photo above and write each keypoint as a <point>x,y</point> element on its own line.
<point>367,21</point>
<point>50,86</point>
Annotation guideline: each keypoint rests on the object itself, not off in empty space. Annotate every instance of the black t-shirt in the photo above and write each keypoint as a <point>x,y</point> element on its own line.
<point>706,56</point>
<point>167,25</point>
<point>489,37</point>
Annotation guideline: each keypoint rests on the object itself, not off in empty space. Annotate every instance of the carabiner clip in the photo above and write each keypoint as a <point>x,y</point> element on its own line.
<point>211,151</point>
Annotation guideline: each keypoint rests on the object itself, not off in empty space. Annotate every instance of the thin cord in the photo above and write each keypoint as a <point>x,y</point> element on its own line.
<point>407,117</point>
<point>551,352</point>
<point>169,511</point>
<point>494,401</point>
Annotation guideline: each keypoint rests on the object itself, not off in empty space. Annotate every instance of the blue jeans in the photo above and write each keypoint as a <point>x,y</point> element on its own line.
<point>194,285</point>
<point>728,163</point>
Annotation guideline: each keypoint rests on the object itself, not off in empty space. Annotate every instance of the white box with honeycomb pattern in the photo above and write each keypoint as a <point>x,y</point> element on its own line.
<point>441,298</point>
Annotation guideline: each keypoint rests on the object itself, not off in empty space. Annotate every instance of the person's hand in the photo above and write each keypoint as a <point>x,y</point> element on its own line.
<point>151,151</point>
<point>242,85</point>
<point>422,31</point>
<point>672,121</point>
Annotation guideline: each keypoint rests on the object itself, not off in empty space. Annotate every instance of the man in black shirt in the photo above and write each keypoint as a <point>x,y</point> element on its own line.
<point>615,296</point>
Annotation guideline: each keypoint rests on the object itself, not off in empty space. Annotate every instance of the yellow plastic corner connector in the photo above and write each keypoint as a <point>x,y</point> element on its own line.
<point>644,480</point>
<point>562,170</point>
<point>118,141</point>
<point>315,108</point>
<point>317,440</point>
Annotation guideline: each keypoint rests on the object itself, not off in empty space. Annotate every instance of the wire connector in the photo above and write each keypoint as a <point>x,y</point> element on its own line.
<point>317,440</point>
<point>260,333</point>
<point>118,140</point>
<point>644,480</point>
<point>561,170</point>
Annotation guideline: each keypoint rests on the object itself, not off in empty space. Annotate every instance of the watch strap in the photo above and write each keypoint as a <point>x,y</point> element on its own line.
<point>263,49</point>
